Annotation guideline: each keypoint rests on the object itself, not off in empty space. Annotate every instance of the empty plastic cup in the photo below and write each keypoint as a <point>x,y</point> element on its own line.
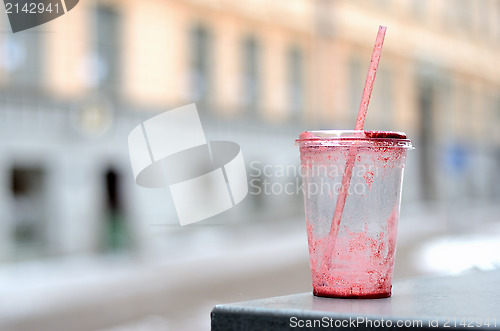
<point>354,258</point>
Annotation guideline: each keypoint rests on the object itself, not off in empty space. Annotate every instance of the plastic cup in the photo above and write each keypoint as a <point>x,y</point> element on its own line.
<point>355,259</point>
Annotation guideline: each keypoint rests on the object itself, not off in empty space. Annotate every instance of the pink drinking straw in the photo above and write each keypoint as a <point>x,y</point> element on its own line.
<point>370,78</point>
<point>351,157</point>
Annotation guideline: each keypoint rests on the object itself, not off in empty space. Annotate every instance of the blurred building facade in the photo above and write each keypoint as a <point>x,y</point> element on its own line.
<point>260,72</point>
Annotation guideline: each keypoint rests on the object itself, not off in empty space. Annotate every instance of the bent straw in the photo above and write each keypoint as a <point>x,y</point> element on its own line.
<point>351,158</point>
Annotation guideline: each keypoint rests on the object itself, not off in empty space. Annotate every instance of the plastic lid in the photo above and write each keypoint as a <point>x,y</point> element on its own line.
<point>346,137</point>
<point>325,134</point>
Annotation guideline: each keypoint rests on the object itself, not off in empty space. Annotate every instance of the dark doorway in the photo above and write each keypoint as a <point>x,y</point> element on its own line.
<point>116,236</point>
<point>28,228</point>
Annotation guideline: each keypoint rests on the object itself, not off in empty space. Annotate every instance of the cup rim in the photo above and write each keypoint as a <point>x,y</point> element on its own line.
<point>354,137</point>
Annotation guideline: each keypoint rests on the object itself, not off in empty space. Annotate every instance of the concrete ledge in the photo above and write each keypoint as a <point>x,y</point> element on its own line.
<point>459,302</point>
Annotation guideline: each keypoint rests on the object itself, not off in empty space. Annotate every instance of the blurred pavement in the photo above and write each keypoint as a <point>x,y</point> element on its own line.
<point>205,265</point>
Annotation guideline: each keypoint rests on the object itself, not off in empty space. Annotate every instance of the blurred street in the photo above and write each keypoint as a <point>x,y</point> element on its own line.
<point>214,264</point>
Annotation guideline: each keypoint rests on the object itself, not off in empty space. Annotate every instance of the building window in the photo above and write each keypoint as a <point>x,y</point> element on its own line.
<point>419,8</point>
<point>483,18</point>
<point>497,18</point>
<point>460,17</point>
<point>200,54</point>
<point>251,83</point>
<point>107,60</point>
<point>464,14</point>
<point>497,104</point>
<point>426,90</point>
<point>445,103</point>
<point>23,55</point>
<point>28,222</point>
<point>295,72</point>
<point>382,3</point>
<point>355,88</point>
<point>386,104</point>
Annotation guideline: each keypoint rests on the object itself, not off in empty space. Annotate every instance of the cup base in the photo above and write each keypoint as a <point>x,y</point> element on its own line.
<point>330,293</point>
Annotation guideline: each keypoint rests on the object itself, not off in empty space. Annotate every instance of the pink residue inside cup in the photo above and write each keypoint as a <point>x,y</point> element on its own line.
<point>361,267</point>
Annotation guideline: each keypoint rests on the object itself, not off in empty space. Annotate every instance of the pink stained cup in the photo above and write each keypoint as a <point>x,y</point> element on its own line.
<point>356,258</point>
